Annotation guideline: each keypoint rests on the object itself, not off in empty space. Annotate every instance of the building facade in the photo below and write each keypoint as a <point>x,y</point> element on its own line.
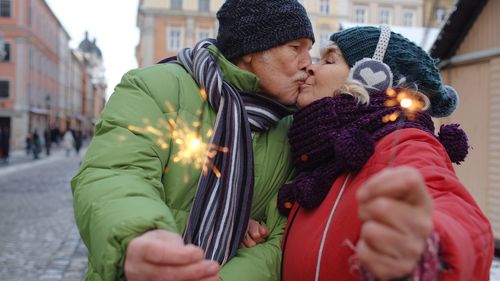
<point>408,13</point>
<point>93,84</point>
<point>29,77</point>
<point>166,26</point>
<point>38,84</point>
<point>437,11</point>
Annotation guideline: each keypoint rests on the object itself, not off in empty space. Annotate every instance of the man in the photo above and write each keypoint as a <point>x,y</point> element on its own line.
<point>144,182</point>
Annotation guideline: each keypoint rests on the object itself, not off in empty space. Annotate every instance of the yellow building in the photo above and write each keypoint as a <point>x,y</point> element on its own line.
<point>436,11</point>
<point>408,13</point>
<point>166,26</point>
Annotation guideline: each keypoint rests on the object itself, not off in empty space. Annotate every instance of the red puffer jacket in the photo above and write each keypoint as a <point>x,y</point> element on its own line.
<point>466,240</point>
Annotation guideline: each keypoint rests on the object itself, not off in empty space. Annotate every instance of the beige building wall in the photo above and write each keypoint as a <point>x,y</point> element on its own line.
<point>157,22</point>
<point>376,11</point>
<point>471,81</point>
<point>436,11</point>
<point>475,73</point>
<point>164,31</point>
<point>325,16</point>
<point>484,33</point>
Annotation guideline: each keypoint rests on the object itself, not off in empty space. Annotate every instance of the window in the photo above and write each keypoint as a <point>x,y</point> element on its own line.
<point>385,16</point>
<point>4,89</point>
<point>176,4</point>
<point>324,36</point>
<point>202,34</point>
<point>324,7</point>
<point>5,8</point>
<point>360,15</point>
<point>440,14</point>
<point>408,18</point>
<point>203,5</point>
<point>174,39</point>
<point>5,53</point>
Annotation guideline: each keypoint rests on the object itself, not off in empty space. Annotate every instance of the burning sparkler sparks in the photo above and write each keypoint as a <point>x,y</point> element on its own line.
<point>187,139</point>
<point>410,102</point>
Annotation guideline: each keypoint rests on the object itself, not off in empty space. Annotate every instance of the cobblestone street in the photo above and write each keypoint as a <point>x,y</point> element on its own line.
<point>38,237</point>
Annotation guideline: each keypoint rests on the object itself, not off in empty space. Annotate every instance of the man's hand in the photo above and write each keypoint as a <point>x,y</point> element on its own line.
<point>161,255</point>
<point>256,234</point>
<point>396,211</point>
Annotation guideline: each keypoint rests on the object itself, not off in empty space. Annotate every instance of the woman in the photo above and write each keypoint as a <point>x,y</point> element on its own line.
<point>376,196</point>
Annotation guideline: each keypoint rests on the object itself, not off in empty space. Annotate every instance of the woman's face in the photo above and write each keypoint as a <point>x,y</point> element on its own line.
<point>325,77</point>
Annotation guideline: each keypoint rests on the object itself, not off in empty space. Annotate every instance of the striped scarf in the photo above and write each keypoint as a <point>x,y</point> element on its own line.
<point>221,209</point>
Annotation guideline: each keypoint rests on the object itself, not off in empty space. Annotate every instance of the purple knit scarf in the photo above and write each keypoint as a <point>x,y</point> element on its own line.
<point>336,135</point>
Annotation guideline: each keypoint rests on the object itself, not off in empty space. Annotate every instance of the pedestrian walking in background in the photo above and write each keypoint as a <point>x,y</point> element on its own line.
<point>78,141</point>
<point>36,144</point>
<point>1,134</point>
<point>48,141</point>
<point>5,144</point>
<point>68,142</point>
<point>28,143</point>
<point>56,135</point>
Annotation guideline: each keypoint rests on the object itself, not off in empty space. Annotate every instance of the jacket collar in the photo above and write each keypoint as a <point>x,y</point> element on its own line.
<point>243,80</point>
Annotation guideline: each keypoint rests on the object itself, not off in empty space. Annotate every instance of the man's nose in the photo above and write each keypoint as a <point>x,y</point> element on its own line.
<point>305,61</point>
<point>310,70</point>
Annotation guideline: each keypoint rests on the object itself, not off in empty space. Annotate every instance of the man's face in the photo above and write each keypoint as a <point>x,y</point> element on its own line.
<point>281,70</point>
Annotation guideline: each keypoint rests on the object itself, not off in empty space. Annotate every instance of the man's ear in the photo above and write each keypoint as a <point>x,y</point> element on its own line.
<point>245,62</point>
<point>247,58</point>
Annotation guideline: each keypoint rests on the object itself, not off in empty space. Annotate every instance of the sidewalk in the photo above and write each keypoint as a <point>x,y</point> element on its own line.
<point>18,159</point>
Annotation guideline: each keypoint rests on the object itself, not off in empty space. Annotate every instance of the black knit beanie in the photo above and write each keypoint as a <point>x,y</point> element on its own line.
<point>249,26</point>
<point>406,60</point>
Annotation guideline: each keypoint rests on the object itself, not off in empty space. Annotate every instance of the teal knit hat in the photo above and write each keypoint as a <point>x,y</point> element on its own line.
<point>406,61</point>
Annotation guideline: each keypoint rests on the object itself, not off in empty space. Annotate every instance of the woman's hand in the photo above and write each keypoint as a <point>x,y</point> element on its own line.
<point>396,211</point>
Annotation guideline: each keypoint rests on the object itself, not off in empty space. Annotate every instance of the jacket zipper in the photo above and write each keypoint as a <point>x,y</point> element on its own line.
<point>285,239</point>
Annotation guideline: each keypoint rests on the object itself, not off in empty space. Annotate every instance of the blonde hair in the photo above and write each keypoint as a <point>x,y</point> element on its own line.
<point>356,90</point>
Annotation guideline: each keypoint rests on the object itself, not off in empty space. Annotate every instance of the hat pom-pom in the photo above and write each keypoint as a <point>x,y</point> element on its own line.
<point>286,198</point>
<point>445,104</point>
<point>354,147</point>
<point>455,141</point>
<point>311,187</point>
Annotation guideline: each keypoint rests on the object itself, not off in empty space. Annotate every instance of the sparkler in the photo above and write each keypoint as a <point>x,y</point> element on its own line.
<point>191,147</point>
<point>411,102</point>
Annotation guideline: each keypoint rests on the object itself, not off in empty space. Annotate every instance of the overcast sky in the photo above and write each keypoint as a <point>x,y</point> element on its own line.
<point>111,22</point>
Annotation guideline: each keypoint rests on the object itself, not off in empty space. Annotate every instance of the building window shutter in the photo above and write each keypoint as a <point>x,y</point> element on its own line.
<point>5,53</point>
<point>4,89</point>
<point>5,7</point>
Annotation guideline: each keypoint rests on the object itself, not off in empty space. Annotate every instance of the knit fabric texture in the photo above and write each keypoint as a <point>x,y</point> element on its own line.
<point>406,60</point>
<point>336,134</point>
<point>249,26</point>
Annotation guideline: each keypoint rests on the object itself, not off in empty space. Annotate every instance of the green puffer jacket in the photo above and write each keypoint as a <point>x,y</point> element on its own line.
<point>132,179</point>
